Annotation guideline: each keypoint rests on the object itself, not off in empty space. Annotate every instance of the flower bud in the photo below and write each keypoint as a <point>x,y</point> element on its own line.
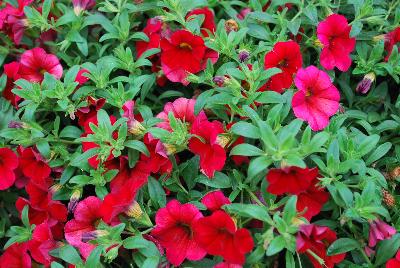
<point>73,201</point>
<point>170,148</point>
<point>134,210</point>
<point>223,140</point>
<point>365,84</point>
<point>231,25</point>
<point>135,127</point>
<point>318,43</point>
<point>15,124</point>
<point>394,173</point>
<point>219,80</point>
<point>55,188</point>
<point>244,55</point>
<point>86,237</point>
<point>388,198</point>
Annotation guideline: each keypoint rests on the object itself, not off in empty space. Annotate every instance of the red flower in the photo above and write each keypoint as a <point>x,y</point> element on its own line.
<point>8,163</point>
<point>16,256</point>
<point>174,231</point>
<point>227,265</point>
<point>391,39</point>
<point>287,57</point>
<point>13,21</point>
<point>35,62</point>
<point>33,165</point>
<point>80,78</point>
<point>208,23</point>
<point>80,5</point>
<point>158,161</point>
<point>41,244</point>
<point>212,154</point>
<point>395,262</point>
<point>11,71</point>
<point>290,180</point>
<point>182,109</point>
<point>86,217</point>
<point>379,230</point>
<point>184,53</point>
<point>155,29</point>
<point>317,239</point>
<point>334,34</point>
<point>312,200</point>
<point>89,111</point>
<point>215,200</point>
<point>218,235</point>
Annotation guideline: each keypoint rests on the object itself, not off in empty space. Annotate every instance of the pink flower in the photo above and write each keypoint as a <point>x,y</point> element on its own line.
<point>80,78</point>
<point>379,230</point>
<point>215,200</point>
<point>317,98</point>
<point>174,231</point>
<point>334,34</point>
<point>13,21</point>
<point>80,5</point>
<point>35,62</point>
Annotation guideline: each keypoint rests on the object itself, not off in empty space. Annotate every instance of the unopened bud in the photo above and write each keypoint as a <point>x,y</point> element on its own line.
<point>73,201</point>
<point>365,84</point>
<point>223,140</point>
<point>134,210</point>
<point>244,55</point>
<point>388,198</point>
<point>318,43</point>
<point>135,127</point>
<point>219,80</point>
<point>394,173</point>
<point>55,188</point>
<point>231,25</point>
<point>15,124</point>
<point>170,148</point>
<point>86,237</point>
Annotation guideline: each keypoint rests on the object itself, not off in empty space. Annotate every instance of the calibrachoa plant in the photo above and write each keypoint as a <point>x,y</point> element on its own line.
<point>195,133</point>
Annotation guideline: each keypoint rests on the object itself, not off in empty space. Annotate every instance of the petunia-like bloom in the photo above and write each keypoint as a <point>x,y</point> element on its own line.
<point>155,30</point>
<point>134,125</point>
<point>8,163</point>
<point>334,35</point>
<point>182,109</point>
<point>184,53</point>
<point>212,154</point>
<point>158,160</point>
<point>290,180</point>
<point>11,72</point>
<point>317,98</point>
<point>312,200</point>
<point>16,256</point>
<point>80,5</point>
<point>215,200</point>
<point>89,111</point>
<point>287,57</point>
<point>218,235</point>
<point>33,165</point>
<point>392,38</point>
<point>41,244</point>
<point>174,231</point>
<point>13,20</point>
<point>316,239</point>
<point>35,62</point>
<point>379,230</point>
<point>395,262</point>
<point>86,217</point>
<point>208,23</point>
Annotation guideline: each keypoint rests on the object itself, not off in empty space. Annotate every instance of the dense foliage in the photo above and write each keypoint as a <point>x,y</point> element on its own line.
<point>199,133</point>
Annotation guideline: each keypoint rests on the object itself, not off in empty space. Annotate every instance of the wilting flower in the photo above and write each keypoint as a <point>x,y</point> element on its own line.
<point>317,98</point>
<point>215,200</point>
<point>212,154</point>
<point>231,25</point>
<point>379,230</point>
<point>89,111</point>
<point>208,23</point>
<point>392,38</point>
<point>11,71</point>
<point>334,35</point>
<point>80,5</point>
<point>13,20</point>
<point>290,180</point>
<point>395,262</point>
<point>218,235</point>
<point>174,231</point>
<point>184,53</point>
<point>8,163</point>
<point>35,62</point>
<point>33,165</point>
<point>313,240</point>
<point>365,84</point>
<point>183,110</point>
<point>80,78</point>
<point>41,244</point>
<point>134,126</point>
<point>287,57</point>
<point>16,256</point>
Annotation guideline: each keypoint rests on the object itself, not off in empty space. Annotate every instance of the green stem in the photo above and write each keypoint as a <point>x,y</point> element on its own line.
<point>254,197</point>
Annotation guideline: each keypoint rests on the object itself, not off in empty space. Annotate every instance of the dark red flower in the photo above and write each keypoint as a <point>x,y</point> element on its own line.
<point>35,62</point>
<point>312,200</point>
<point>41,244</point>
<point>174,231</point>
<point>215,200</point>
<point>287,57</point>
<point>16,256</point>
<point>182,109</point>
<point>334,34</point>
<point>33,165</point>
<point>218,235</point>
<point>8,163</point>
<point>11,71</point>
<point>89,111</point>
<point>208,23</point>
<point>13,21</point>
<point>157,161</point>
<point>392,38</point>
<point>212,154</point>
<point>184,53</point>
<point>317,239</point>
<point>290,180</point>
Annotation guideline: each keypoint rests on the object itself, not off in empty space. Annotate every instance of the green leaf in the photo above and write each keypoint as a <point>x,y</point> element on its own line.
<point>137,145</point>
<point>77,161</point>
<point>378,153</point>
<point>342,245</point>
<point>70,255</point>
<point>246,149</point>
<point>157,193</point>
<point>276,245</point>
<point>220,180</point>
<point>246,130</point>
<point>93,261</point>
<point>202,100</point>
<point>250,211</point>
<point>386,249</point>
<point>257,165</point>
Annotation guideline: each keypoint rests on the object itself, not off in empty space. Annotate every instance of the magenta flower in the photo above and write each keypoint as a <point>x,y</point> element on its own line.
<point>317,98</point>
<point>379,230</point>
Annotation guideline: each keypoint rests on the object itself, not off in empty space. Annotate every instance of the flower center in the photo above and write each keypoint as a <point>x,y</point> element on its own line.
<point>283,63</point>
<point>186,228</point>
<point>185,45</point>
<point>308,92</point>
<point>42,71</point>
